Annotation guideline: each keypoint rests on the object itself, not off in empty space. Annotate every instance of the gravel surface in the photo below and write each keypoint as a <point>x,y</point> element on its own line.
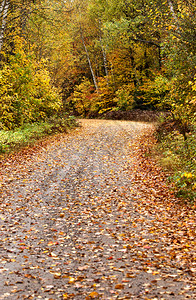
<point>72,227</point>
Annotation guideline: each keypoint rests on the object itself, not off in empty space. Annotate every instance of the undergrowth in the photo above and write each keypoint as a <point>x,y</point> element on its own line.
<point>178,157</point>
<point>27,134</point>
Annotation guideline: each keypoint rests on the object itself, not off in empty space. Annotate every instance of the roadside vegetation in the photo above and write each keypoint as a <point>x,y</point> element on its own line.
<point>28,134</point>
<point>177,156</point>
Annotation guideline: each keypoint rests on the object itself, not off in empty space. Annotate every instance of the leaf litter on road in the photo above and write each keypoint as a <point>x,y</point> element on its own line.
<point>88,216</point>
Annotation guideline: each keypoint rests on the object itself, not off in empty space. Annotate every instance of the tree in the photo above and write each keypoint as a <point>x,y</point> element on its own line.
<point>4,13</point>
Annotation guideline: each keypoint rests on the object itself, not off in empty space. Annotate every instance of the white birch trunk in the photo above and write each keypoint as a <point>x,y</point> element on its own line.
<point>171,7</point>
<point>4,11</point>
<point>2,6</point>
<point>89,61</point>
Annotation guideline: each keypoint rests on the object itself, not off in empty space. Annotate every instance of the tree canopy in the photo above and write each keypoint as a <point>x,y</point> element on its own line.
<point>91,56</point>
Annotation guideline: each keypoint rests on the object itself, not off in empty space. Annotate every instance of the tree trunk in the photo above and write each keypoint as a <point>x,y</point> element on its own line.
<point>171,7</point>
<point>104,58</point>
<point>4,12</point>
<point>89,61</point>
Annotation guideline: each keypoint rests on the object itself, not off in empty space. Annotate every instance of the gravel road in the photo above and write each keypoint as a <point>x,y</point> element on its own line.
<point>71,227</point>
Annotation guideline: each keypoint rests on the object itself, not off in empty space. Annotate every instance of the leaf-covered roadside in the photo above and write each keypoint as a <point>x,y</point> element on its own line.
<point>175,219</point>
<point>85,217</point>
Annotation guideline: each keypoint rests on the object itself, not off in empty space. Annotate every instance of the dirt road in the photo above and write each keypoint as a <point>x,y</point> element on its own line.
<point>74,226</point>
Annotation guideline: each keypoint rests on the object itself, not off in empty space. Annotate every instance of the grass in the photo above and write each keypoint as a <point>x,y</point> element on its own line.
<point>11,140</point>
<point>178,157</point>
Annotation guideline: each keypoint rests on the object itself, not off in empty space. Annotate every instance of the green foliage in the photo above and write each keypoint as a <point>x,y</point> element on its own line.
<point>186,184</point>
<point>28,133</point>
<point>179,157</point>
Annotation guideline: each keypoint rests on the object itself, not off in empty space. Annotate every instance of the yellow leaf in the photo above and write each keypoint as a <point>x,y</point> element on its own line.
<point>93,295</point>
<point>71,280</point>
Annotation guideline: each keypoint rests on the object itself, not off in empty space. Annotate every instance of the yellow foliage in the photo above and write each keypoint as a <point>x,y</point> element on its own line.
<point>25,89</point>
<point>82,97</point>
<point>124,97</point>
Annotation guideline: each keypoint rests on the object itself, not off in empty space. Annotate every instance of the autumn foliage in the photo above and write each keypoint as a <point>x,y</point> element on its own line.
<point>100,55</point>
<point>25,88</point>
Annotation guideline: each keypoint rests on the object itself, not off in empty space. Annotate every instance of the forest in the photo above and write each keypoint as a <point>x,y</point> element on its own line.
<point>85,58</point>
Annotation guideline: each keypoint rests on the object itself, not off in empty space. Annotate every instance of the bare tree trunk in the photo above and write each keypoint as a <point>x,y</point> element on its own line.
<point>89,61</point>
<point>103,53</point>
<point>2,6</point>
<point>104,58</point>
<point>113,76</point>
<point>3,11</point>
<point>171,7</point>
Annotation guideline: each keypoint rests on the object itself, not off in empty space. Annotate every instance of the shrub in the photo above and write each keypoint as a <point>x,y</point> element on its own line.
<point>179,157</point>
